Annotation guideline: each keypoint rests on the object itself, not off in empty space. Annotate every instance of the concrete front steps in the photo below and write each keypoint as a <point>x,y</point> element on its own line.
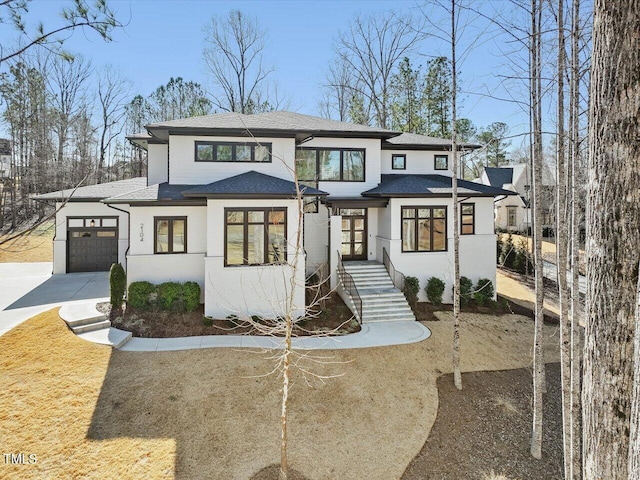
<point>381,301</point>
<point>88,323</point>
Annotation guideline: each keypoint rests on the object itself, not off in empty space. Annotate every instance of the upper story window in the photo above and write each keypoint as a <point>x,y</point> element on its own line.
<point>424,229</point>
<point>441,162</point>
<point>232,152</point>
<point>170,235</point>
<point>398,161</point>
<point>330,164</point>
<point>467,218</point>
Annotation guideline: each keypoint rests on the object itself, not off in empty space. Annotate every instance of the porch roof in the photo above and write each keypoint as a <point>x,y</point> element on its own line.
<point>430,186</point>
<point>355,202</point>
<point>251,184</point>
<point>95,193</point>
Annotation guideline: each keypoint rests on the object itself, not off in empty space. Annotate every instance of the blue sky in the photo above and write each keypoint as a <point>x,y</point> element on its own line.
<point>164,38</point>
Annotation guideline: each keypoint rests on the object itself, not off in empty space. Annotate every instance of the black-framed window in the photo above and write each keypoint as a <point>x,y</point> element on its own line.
<point>398,161</point>
<point>170,235</point>
<point>467,218</point>
<point>330,164</point>
<point>311,204</point>
<point>232,152</point>
<point>441,162</point>
<point>424,229</point>
<point>255,236</point>
<point>511,216</point>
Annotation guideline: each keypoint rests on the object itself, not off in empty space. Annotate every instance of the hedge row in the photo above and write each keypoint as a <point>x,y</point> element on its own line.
<point>173,296</point>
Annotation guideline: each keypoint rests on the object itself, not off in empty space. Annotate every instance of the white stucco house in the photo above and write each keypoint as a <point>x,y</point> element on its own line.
<point>219,207</point>
<point>513,212</point>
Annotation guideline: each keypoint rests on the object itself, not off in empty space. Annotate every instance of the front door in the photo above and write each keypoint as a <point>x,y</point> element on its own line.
<point>354,233</point>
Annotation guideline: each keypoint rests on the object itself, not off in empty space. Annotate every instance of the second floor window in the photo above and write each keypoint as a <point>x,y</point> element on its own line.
<point>232,152</point>
<point>398,162</point>
<point>441,162</point>
<point>330,164</point>
<point>511,216</point>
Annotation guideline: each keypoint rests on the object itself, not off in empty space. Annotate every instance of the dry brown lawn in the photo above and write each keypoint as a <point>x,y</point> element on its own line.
<point>521,293</point>
<point>89,412</point>
<point>34,247</point>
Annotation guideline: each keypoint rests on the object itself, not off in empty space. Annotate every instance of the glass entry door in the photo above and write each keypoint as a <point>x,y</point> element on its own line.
<point>354,233</point>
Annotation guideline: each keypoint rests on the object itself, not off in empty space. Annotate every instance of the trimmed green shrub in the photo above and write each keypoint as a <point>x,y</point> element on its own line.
<point>191,296</point>
<point>434,290</point>
<point>508,253</point>
<point>170,296</point>
<point>117,285</point>
<point>140,294</point>
<point>411,289</point>
<point>484,291</point>
<point>466,285</point>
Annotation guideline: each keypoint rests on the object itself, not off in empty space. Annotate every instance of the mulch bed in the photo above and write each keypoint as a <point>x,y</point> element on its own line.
<point>484,430</point>
<point>335,318</point>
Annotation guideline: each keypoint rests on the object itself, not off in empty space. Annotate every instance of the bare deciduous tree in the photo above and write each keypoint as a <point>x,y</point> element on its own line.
<point>613,223</point>
<point>234,56</point>
<point>371,48</point>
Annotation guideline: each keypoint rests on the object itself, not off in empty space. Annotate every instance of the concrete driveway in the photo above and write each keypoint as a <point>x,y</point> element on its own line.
<point>27,289</point>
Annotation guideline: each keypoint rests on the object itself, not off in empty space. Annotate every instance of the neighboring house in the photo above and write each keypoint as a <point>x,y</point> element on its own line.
<point>5,158</point>
<point>513,213</point>
<point>219,207</point>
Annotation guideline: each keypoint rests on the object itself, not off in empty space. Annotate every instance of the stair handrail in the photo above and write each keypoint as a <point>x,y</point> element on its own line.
<point>350,285</point>
<point>397,277</point>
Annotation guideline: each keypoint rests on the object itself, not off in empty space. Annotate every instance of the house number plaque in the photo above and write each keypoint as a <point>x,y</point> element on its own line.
<point>142,232</point>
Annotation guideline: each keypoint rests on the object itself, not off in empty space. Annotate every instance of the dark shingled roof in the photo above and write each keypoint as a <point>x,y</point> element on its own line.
<point>286,123</point>
<point>162,192</point>
<point>96,192</point>
<point>499,176</point>
<point>251,185</point>
<point>430,186</point>
<point>416,141</point>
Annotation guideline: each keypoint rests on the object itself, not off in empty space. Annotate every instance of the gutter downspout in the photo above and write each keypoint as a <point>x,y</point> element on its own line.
<point>126,253</point>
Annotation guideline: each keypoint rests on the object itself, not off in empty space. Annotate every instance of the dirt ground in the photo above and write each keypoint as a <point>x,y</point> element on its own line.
<point>336,318</point>
<point>549,250</point>
<point>34,247</point>
<point>487,426</point>
<point>89,412</point>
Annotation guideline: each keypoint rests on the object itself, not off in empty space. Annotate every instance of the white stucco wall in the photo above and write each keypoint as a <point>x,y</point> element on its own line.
<point>477,252</point>
<point>316,238</point>
<point>86,209</point>
<point>251,290</point>
<point>157,164</point>
<point>144,265</point>
<point>418,162</point>
<point>372,165</point>
<point>183,169</point>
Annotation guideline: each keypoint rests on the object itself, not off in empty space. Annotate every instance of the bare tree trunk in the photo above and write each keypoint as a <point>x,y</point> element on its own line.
<point>613,223</point>
<point>457,377</point>
<point>575,439</point>
<point>634,443</point>
<point>561,238</point>
<point>538,360</point>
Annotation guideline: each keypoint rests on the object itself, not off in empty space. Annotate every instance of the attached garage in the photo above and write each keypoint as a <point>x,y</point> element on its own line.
<point>92,243</point>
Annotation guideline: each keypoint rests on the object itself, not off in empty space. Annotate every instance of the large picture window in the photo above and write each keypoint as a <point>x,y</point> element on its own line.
<point>467,218</point>
<point>424,229</point>
<point>255,236</point>
<point>330,164</point>
<point>232,152</point>
<point>170,235</point>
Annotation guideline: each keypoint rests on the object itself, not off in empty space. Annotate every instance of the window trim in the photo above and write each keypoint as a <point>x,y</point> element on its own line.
<point>438,156</point>
<point>446,228</point>
<point>214,151</point>
<point>472,215</point>
<point>513,209</point>
<point>170,235</point>
<point>404,161</point>
<point>245,230</point>
<point>342,150</point>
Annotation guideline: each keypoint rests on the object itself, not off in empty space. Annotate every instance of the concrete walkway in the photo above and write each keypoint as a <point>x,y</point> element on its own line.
<point>27,289</point>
